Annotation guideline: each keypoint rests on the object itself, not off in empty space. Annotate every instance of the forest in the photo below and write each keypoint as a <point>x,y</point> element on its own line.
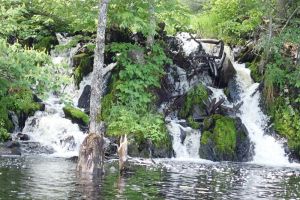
<point>208,79</point>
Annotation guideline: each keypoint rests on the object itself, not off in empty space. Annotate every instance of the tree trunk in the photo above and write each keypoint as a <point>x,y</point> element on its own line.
<point>91,154</point>
<point>281,8</point>
<point>122,152</point>
<point>152,23</point>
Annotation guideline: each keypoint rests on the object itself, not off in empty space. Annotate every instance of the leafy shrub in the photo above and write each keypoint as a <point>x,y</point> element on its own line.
<point>230,20</point>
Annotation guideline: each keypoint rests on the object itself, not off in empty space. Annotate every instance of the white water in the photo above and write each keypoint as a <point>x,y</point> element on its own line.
<point>267,149</point>
<point>50,128</point>
<point>190,147</point>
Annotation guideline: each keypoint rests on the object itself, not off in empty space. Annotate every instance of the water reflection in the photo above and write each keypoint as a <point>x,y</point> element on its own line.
<point>55,178</point>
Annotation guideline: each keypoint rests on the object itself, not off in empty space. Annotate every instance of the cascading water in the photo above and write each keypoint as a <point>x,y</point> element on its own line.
<point>50,128</point>
<point>186,141</point>
<point>267,149</point>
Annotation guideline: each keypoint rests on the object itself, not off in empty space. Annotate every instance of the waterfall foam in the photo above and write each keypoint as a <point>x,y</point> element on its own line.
<point>50,128</point>
<point>186,141</point>
<point>267,149</point>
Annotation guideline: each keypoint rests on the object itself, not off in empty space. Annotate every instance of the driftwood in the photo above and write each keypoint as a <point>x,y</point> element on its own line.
<point>213,105</point>
<point>122,152</point>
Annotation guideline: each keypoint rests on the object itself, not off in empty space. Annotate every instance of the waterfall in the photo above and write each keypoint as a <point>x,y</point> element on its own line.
<point>267,149</point>
<point>186,141</point>
<point>49,128</point>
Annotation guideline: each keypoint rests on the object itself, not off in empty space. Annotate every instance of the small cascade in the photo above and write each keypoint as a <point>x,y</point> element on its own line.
<point>49,128</point>
<point>186,141</point>
<point>15,121</point>
<point>267,149</point>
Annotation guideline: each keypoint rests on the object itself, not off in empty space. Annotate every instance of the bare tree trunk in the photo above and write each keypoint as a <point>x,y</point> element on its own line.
<point>152,23</point>
<point>91,154</point>
<point>122,152</point>
<point>96,126</point>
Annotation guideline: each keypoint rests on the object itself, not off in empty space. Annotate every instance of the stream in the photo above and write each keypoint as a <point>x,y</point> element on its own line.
<point>38,177</point>
<point>49,172</point>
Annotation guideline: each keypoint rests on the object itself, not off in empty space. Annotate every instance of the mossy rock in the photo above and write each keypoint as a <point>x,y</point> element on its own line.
<point>195,96</point>
<point>76,116</point>
<point>192,123</point>
<point>225,138</point>
<point>83,64</point>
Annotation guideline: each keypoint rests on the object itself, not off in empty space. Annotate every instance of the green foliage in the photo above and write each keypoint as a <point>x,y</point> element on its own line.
<point>196,96</point>
<point>230,20</point>
<point>76,115</point>
<point>4,135</point>
<point>127,107</point>
<point>126,120</point>
<point>205,136</point>
<point>136,80</point>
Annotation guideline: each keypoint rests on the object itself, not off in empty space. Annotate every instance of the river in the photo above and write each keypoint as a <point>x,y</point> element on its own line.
<point>40,177</point>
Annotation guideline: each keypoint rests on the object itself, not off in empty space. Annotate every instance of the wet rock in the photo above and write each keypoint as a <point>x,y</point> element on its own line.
<point>77,116</point>
<point>225,139</point>
<point>227,73</point>
<point>233,91</point>
<point>23,137</point>
<point>182,135</point>
<point>68,142</point>
<point>10,148</point>
<point>146,149</point>
<point>29,147</point>
<point>245,54</point>
<point>84,99</point>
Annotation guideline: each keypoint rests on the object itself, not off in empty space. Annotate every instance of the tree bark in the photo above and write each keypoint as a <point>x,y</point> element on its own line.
<point>91,154</point>
<point>96,126</point>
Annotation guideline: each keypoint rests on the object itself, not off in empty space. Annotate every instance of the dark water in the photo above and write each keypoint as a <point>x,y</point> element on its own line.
<point>55,178</point>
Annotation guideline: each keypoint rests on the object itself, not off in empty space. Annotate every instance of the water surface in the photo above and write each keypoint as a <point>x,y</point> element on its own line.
<point>38,177</point>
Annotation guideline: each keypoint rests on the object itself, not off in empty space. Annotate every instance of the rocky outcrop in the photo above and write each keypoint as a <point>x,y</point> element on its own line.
<point>225,139</point>
<point>226,74</point>
<point>77,116</point>
<point>146,149</point>
<point>10,148</point>
<point>84,99</point>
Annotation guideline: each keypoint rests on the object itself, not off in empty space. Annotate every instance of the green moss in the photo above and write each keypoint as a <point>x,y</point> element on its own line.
<point>206,135</point>
<point>207,123</point>
<point>84,65</point>
<point>225,135</point>
<point>76,115</point>
<point>192,123</point>
<point>222,131</point>
<point>194,97</point>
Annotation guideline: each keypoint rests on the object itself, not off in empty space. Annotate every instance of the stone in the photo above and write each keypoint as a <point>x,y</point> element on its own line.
<point>226,74</point>
<point>23,137</point>
<point>225,139</point>
<point>146,149</point>
<point>10,148</point>
<point>84,99</point>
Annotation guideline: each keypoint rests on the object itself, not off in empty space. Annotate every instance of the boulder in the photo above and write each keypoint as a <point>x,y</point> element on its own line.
<point>84,99</point>
<point>83,65</point>
<point>10,148</point>
<point>225,139</point>
<point>146,149</point>
<point>77,116</point>
<point>23,137</point>
<point>226,74</point>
